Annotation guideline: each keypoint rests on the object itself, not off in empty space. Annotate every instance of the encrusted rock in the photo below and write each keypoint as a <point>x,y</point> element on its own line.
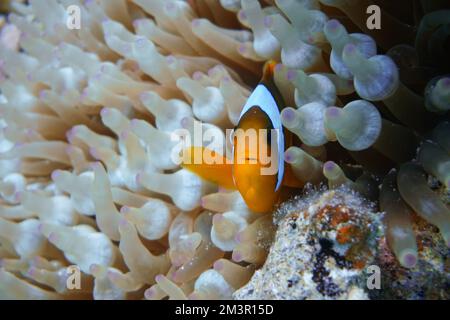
<point>325,242</point>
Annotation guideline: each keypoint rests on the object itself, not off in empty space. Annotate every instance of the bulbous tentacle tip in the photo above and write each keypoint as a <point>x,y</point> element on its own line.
<point>288,115</point>
<point>125,209</point>
<point>332,26</point>
<point>43,94</point>
<point>218,265</point>
<point>356,126</point>
<point>445,82</point>
<point>350,50</point>
<point>333,112</point>
<point>149,293</point>
<point>375,78</point>
<point>159,277</point>
<point>288,156</point>
<point>105,112</point>
<point>409,259</point>
<point>291,75</point>
<point>55,174</point>
<point>237,256</point>
<point>329,166</point>
<point>437,94</point>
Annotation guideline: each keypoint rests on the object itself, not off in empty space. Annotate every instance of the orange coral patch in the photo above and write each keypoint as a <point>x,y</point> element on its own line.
<point>346,234</point>
<point>359,264</point>
<point>340,215</point>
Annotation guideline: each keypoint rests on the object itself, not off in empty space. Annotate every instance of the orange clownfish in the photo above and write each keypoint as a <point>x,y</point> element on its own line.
<point>248,173</point>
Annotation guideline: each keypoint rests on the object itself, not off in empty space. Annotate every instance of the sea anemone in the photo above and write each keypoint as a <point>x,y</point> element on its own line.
<point>90,121</point>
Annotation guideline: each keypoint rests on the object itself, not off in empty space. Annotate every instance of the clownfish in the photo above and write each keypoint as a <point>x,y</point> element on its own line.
<point>260,191</point>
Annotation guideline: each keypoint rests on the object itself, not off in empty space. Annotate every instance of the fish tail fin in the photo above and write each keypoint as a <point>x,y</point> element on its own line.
<point>209,165</point>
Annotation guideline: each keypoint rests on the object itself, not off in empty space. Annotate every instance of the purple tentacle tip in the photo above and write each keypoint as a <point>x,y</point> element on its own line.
<point>350,48</point>
<point>446,82</point>
<point>196,23</point>
<point>197,75</point>
<point>332,25</point>
<point>55,174</point>
<point>43,94</point>
<point>236,256</point>
<point>410,260</point>
<point>291,75</point>
<point>149,293</point>
<point>105,112</point>
<point>268,21</point>
<point>218,265</point>
<point>333,112</point>
<point>136,23</point>
<point>289,115</point>
<point>288,156</point>
<point>329,165</point>
<point>124,209</point>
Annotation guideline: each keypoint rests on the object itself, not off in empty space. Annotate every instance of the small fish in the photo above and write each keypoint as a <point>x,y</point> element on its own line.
<point>260,191</point>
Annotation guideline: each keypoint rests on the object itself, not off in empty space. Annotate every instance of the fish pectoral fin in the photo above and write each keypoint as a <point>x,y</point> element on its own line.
<point>290,180</point>
<point>209,165</point>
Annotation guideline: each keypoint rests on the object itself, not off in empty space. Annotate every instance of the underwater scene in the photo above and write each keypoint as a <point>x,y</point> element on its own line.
<point>224,150</point>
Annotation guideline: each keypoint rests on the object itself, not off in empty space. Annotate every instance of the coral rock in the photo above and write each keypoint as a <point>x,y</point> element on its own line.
<point>325,242</point>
